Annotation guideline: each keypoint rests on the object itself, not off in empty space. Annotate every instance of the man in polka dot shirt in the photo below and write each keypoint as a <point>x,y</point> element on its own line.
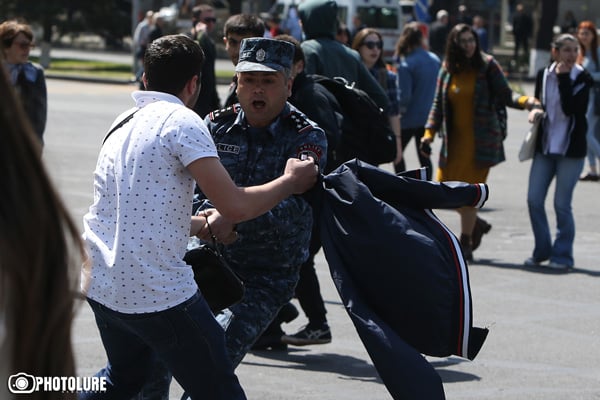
<point>145,300</point>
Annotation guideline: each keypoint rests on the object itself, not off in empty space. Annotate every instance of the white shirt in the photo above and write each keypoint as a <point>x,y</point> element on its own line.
<point>138,227</point>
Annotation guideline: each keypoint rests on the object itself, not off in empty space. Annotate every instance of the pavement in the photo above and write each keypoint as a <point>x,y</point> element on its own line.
<point>544,341</point>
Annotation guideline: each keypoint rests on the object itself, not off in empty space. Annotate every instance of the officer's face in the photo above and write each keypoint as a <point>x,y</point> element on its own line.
<point>262,95</point>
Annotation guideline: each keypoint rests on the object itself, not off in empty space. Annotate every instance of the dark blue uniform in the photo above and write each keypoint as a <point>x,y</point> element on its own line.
<point>270,248</point>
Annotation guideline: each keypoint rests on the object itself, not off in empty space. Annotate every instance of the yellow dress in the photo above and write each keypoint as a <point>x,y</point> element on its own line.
<point>461,164</point>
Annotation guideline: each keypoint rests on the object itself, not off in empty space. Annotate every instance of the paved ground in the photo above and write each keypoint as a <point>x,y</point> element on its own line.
<point>544,340</point>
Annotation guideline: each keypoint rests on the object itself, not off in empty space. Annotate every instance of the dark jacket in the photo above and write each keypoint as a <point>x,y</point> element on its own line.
<point>31,88</point>
<point>400,271</point>
<point>320,106</point>
<point>574,96</point>
<point>326,56</point>
<point>208,99</point>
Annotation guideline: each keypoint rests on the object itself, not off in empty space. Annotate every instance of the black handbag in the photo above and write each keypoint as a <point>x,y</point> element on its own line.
<point>218,283</point>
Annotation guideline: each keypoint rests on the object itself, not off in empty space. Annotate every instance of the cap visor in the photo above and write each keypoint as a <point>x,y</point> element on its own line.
<point>247,66</point>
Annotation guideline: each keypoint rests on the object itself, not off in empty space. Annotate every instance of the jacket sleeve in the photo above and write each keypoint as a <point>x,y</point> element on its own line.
<point>574,98</point>
<point>500,88</point>
<point>40,102</point>
<point>434,121</point>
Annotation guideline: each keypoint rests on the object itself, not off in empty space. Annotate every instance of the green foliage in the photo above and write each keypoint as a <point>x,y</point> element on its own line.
<point>111,19</point>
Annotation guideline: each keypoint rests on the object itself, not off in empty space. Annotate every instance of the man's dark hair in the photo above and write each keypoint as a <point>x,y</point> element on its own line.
<point>244,24</point>
<point>170,62</point>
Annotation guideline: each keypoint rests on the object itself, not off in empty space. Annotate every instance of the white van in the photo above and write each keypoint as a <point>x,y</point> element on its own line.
<point>383,15</point>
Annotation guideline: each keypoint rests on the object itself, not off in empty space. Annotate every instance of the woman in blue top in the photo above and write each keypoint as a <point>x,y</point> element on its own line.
<point>369,44</point>
<point>589,58</point>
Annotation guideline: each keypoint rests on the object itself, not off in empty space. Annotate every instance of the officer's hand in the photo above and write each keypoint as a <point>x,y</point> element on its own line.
<point>303,174</point>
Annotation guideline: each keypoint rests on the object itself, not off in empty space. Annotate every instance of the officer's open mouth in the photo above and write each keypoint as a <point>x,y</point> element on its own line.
<point>258,104</point>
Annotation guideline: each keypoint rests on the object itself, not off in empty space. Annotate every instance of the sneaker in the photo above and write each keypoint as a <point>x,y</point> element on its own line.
<point>308,336</point>
<point>532,262</point>
<point>558,266</point>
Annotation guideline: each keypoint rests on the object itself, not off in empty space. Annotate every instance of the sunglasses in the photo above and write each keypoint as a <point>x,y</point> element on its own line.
<point>208,20</point>
<point>372,45</point>
<point>24,45</point>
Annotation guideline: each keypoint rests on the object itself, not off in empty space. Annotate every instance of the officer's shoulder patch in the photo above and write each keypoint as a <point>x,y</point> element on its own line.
<point>300,121</point>
<point>224,112</point>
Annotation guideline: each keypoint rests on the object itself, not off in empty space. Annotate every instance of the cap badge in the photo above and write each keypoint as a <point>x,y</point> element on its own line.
<point>260,55</point>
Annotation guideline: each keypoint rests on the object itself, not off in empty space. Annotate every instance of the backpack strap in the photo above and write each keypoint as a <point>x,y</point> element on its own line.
<point>119,125</point>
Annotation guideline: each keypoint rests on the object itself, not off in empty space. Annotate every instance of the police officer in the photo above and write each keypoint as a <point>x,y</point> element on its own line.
<point>254,138</point>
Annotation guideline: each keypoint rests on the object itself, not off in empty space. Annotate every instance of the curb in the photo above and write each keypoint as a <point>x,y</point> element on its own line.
<point>92,79</point>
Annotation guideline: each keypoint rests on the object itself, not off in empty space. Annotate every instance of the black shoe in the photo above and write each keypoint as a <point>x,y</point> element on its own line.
<point>590,177</point>
<point>466,245</point>
<point>308,335</point>
<point>269,342</point>
<point>481,228</point>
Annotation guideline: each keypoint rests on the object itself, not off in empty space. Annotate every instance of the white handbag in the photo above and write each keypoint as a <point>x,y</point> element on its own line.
<point>527,149</point>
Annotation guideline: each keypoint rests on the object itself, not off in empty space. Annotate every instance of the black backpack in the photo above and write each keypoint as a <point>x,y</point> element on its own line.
<point>366,131</point>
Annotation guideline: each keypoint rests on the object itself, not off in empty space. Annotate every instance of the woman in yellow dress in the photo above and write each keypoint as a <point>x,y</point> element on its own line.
<point>468,113</point>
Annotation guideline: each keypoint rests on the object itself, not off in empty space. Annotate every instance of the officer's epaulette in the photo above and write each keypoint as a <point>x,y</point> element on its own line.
<point>300,121</point>
<point>224,112</point>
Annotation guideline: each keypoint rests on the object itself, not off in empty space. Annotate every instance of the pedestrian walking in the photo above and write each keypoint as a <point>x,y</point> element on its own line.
<point>563,88</point>
<point>417,69</point>
<point>368,42</point>
<point>589,58</point>
<point>472,136</point>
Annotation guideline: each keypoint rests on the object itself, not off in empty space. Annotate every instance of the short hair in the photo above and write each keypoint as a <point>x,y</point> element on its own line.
<point>441,14</point>
<point>199,9</point>
<point>170,62</point>
<point>244,24</point>
<point>10,29</point>
<point>298,52</point>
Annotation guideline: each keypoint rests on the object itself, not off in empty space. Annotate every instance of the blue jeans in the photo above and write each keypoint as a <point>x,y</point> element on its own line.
<point>186,338</point>
<point>593,134</point>
<point>566,170</point>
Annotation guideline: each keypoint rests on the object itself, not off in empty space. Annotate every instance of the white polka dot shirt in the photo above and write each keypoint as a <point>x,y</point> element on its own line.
<point>138,227</point>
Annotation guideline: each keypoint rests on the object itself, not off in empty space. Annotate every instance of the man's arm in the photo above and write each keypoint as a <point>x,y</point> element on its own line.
<point>239,204</point>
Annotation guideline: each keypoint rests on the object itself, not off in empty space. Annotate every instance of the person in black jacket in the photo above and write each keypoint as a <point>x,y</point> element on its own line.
<point>16,41</point>
<point>522,26</point>
<point>563,88</point>
<point>208,100</point>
